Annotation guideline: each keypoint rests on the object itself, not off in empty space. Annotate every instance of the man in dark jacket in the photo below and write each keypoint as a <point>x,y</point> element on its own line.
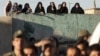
<point>17,44</point>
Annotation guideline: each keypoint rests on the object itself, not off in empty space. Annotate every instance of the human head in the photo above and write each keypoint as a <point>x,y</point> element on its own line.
<point>49,41</point>
<point>39,4</point>
<point>94,50</point>
<point>77,5</point>
<point>17,40</point>
<point>59,6</point>
<point>84,34</point>
<point>9,3</point>
<point>63,4</point>
<point>83,46</point>
<point>19,7</point>
<point>27,5</point>
<point>29,50</point>
<point>15,4</point>
<point>72,51</point>
<point>52,4</point>
<point>49,50</point>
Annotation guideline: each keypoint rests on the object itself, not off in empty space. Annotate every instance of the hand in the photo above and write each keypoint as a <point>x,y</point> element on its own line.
<point>42,43</point>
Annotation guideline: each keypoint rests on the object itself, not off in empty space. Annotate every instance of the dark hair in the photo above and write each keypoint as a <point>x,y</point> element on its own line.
<point>53,4</point>
<point>32,40</point>
<point>63,3</point>
<point>48,45</point>
<point>95,47</point>
<point>26,4</point>
<point>38,4</point>
<point>77,4</point>
<point>18,36</point>
<point>9,6</point>
<point>78,53</point>
<point>55,39</point>
<point>84,43</point>
<point>19,7</point>
<point>28,45</point>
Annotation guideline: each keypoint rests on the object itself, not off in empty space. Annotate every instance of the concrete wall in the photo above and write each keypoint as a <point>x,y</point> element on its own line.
<point>64,25</point>
<point>97,11</point>
<point>5,34</point>
<point>91,11</point>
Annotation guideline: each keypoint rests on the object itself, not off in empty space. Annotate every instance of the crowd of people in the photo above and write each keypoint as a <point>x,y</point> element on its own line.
<point>49,46</point>
<point>62,8</point>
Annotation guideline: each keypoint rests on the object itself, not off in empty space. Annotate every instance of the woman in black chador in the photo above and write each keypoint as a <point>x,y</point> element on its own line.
<point>27,9</point>
<point>51,8</point>
<point>77,9</point>
<point>59,9</point>
<point>64,8</point>
<point>39,9</point>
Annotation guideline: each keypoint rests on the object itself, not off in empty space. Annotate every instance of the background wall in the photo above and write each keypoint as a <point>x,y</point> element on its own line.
<point>66,26</point>
<point>5,38</point>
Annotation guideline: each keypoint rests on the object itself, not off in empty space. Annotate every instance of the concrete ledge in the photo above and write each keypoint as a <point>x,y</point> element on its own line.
<point>6,19</point>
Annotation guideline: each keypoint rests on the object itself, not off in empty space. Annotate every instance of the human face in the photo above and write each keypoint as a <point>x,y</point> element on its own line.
<point>40,5</point>
<point>50,51</point>
<point>64,4</point>
<point>81,47</point>
<point>17,43</point>
<point>51,4</point>
<point>28,51</point>
<point>94,53</point>
<point>71,52</point>
<point>77,6</point>
<point>47,52</point>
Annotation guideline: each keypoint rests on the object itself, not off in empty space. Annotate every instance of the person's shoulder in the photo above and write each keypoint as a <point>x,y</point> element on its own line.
<point>8,54</point>
<point>49,6</point>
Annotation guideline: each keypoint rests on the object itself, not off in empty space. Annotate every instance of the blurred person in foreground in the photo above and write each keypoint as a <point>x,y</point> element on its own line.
<point>16,43</point>
<point>94,50</point>
<point>72,51</point>
<point>84,35</point>
<point>29,50</point>
<point>49,46</point>
<point>83,45</point>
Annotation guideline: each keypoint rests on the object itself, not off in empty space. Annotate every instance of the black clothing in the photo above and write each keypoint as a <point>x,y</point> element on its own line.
<point>64,10</point>
<point>8,8</point>
<point>77,10</point>
<point>38,10</point>
<point>59,11</point>
<point>19,9</point>
<point>49,10</point>
<point>24,10</point>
